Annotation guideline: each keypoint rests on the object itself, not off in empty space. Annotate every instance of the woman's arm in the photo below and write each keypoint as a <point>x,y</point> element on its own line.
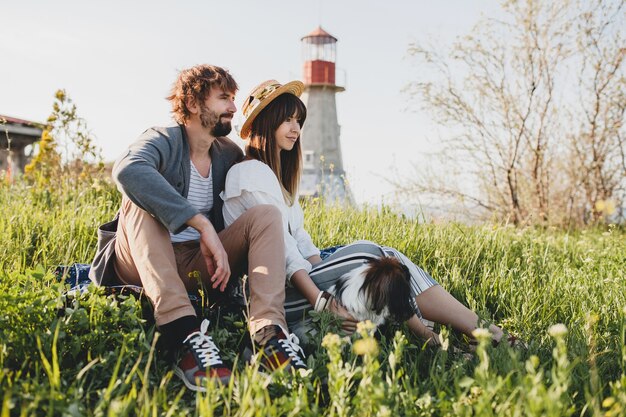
<point>303,283</point>
<point>420,330</point>
<point>305,244</point>
<point>314,260</point>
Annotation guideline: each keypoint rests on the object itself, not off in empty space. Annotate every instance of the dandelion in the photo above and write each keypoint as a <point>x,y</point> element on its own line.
<point>367,346</point>
<point>557,330</point>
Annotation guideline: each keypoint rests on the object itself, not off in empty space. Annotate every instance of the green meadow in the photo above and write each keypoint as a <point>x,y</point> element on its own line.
<point>96,355</point>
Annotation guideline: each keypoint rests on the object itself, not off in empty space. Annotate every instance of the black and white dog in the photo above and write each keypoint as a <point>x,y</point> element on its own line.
<point>376,291</point>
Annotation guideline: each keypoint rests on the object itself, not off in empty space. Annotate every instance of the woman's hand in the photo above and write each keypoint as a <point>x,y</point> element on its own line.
<point>348,323</point>
<point>303,282</point>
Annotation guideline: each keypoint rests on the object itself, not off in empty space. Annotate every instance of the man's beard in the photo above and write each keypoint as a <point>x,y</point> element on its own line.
<point>211,120</point>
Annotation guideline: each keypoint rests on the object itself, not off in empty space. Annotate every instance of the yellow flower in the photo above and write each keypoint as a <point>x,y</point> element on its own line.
<point>608,402</point>
<point>606,207</point>
<point>600,205</point>
<point>365,327</point>
<point>330,340</point>
<point>610,207</point>
<point>368,346</point>
<point>592,318</point>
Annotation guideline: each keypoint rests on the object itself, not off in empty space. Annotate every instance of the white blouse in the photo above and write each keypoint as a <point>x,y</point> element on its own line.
<point>251,183</point>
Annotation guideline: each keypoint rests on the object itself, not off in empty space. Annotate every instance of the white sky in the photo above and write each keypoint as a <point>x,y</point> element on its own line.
<point>117,60</point>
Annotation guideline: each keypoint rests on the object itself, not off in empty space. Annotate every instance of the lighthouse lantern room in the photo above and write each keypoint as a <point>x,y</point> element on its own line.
<point>319,53</point>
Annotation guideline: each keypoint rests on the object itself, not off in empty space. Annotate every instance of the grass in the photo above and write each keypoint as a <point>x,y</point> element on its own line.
<point>97,355</point>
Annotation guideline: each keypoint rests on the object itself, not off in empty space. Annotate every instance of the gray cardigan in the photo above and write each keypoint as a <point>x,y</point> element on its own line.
<point>154,174</point>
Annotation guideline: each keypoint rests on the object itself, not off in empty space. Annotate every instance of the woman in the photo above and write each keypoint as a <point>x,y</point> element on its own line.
<point>270,174</point>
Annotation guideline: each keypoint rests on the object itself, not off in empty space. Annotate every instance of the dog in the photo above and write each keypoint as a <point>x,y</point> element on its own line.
<point>377,291</point>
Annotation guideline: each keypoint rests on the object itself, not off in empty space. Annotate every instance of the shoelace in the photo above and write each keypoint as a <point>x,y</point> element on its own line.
<point>292,346</point>
<point>203,345</point>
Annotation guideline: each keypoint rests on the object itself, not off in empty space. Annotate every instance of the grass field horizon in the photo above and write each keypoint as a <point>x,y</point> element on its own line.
<point>563,292</point>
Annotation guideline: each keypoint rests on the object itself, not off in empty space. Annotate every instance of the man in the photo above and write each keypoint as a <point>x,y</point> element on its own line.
<point>170,228</point>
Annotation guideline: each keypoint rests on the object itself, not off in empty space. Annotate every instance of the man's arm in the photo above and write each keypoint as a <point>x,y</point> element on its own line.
<point>213,251</point>
<point>138,175</point>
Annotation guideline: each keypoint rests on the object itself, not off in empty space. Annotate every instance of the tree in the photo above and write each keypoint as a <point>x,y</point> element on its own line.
<point>507,92</point>
<point>66,150</point>
<point>596,152</point>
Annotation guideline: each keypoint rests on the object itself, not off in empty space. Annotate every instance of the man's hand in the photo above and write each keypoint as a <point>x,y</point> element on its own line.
<point>213,251</point>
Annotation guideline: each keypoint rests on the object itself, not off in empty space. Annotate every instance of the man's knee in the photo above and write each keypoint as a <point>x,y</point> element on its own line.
<point>265,214</point>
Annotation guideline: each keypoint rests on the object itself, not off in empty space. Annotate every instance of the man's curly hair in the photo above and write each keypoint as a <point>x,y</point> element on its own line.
<point>195,83</point>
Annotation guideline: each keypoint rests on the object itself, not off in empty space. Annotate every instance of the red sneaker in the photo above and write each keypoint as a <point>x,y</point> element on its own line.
<point>280,352</point>
<point>200,361</point>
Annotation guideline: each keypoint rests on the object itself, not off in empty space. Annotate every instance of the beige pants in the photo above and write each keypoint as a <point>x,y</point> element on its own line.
<point>145,256</point>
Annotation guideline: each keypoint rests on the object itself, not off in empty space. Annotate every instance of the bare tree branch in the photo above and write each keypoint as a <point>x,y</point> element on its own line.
<point>535,153</point>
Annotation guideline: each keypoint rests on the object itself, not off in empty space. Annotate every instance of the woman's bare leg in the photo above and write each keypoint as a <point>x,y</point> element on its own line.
<point>438,305</point>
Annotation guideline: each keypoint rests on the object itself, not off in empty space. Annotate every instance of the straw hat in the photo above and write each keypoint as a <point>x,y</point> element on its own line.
<point>261,96</point>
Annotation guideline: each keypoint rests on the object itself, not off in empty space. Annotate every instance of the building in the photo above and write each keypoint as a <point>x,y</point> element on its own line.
<point>17,137</point>
<point>323,173</point>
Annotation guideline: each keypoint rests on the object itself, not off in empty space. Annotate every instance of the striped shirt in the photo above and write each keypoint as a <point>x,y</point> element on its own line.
<point>201,197</point>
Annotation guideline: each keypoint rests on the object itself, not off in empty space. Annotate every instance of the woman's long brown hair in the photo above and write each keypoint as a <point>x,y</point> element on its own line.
<point>262,145</point>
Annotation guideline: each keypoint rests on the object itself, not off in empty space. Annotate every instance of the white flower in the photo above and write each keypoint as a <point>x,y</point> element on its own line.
<point>557,330</point>
<point>481,334</point>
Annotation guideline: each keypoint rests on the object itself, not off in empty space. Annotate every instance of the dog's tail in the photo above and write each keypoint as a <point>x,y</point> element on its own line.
<point>386,284</point>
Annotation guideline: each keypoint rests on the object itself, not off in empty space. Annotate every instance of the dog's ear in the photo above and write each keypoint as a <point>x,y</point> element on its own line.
<point>386,284</point>
<point>407,273</point>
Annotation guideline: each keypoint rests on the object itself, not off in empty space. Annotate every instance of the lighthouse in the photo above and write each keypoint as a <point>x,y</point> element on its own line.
<point>323,174</point>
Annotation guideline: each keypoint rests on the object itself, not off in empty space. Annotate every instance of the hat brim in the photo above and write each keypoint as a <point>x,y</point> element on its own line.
<point>294,87</point>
